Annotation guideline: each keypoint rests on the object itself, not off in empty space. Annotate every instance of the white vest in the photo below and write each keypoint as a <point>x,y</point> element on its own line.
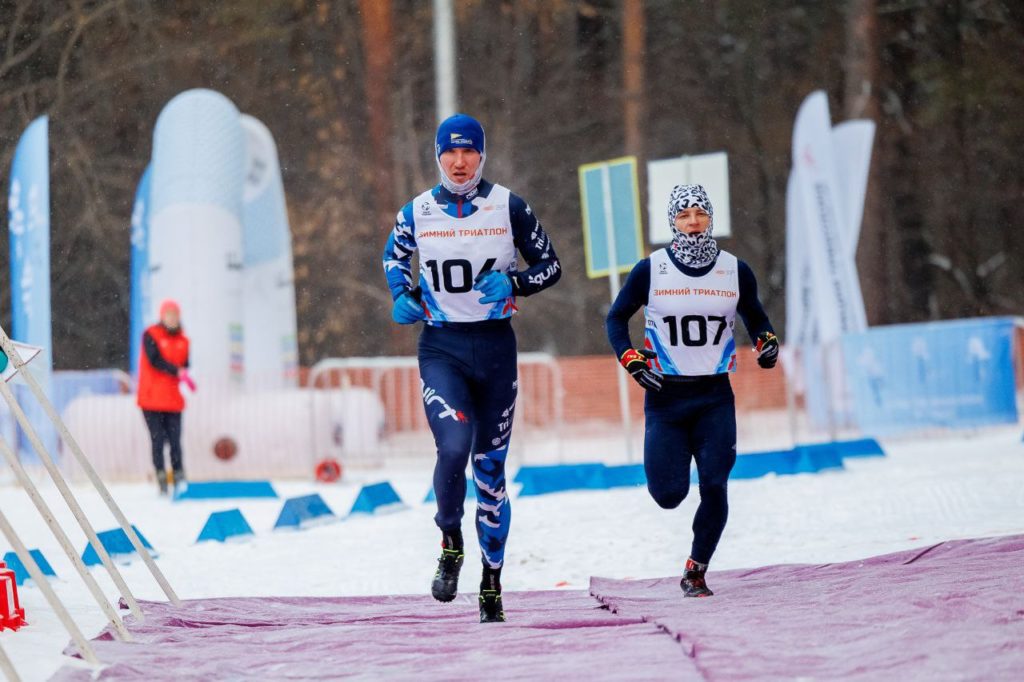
<point>690,320</point>
<point>454,251</point>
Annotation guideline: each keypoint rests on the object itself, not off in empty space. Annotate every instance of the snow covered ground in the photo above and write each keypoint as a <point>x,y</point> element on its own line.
<point>925,491</point>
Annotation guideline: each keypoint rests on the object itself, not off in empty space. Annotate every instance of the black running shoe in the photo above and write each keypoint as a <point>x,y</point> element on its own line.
<point>693,582</point>
<point>161,480</point>
<point>491,610</point>
<point>446,580</point>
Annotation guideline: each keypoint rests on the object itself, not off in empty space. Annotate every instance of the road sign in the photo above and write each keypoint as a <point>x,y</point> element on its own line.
<point>610,199</point>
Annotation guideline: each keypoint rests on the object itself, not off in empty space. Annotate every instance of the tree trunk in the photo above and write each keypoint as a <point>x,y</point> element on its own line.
<point>861,69</point>
<point>633,35</point>
<point>377,45</point>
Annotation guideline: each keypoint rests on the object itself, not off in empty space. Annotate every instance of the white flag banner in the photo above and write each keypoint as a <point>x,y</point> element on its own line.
<point>852,142</point>
<point>27,353</point>
<point>268,278</point>
<point>838,303</point>
<point>799,293</point>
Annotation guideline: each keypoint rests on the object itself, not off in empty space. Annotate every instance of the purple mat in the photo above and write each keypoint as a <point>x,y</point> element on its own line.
<point>954,611</point>
<point>548,634</point>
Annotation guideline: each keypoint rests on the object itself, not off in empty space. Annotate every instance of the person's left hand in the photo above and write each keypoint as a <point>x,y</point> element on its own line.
<point>495,286</point>
<point>767,350</point>
<point>186,379</point>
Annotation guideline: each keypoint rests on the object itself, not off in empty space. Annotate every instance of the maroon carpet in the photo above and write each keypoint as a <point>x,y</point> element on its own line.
<point>954,611</point>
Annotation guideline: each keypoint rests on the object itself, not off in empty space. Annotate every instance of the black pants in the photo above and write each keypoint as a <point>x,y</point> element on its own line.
<point>692,421</point>
<point>469,392</point>
<point>164,429</point>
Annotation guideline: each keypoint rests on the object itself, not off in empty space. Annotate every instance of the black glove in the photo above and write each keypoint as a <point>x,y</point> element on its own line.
<point>767,350</point>
<point>637,364</point>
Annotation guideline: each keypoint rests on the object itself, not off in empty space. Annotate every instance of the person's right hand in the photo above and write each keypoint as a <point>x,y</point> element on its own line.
<point>407,310</point>
<point>637,363</point>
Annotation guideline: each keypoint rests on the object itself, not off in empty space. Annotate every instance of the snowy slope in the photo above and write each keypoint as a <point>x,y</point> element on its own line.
<point>924,492</point>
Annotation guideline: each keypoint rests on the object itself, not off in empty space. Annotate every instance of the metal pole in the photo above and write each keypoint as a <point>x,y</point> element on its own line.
<point>62,540</point>
<point>83,461</point>
<point>613,285</point>
<point>44,586</point>
<point>826,375</point>
<point>791,394</point>
<point>7,667</point>
<point>62,486</point>
<point>445,78</point>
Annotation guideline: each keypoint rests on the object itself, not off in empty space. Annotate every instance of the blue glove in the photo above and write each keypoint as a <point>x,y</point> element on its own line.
<point>495,286</point>
<point>407,310</point>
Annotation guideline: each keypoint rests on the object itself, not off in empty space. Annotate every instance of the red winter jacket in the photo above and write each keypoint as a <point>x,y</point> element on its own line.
<point>163,353</point>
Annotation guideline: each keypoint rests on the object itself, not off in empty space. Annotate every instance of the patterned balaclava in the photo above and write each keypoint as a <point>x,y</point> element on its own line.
<point>692,250</point>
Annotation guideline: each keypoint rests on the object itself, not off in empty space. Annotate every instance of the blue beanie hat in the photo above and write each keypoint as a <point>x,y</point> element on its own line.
<point>459,130</point>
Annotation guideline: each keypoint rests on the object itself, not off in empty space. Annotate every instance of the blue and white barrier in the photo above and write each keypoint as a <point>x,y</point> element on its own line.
<point>948,374</point>
<point>810,458</point>
<point>21,573</point>
<point>556,478</point>
<point>116,543</point>
<point>470,492</point>
<point>227,490</point>
<point>223,525</point>
<point>299,512</point>
<point>377,498</point>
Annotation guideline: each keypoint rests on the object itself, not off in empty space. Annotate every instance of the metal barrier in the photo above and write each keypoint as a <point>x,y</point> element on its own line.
<point>378,405</point>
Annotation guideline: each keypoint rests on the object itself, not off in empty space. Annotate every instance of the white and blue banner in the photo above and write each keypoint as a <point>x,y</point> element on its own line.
<point>824,208</point>
<point>954,374</point>
<point>839,305</point>
<point>139,312</point>
<point>28,205</point>
<point>195,219</point>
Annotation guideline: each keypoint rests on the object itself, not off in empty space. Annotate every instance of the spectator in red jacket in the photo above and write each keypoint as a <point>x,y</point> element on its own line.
<point>163,365</point>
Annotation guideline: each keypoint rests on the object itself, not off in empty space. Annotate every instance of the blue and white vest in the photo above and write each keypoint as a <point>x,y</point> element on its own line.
<point>690,320</point>
<point>454,251</point>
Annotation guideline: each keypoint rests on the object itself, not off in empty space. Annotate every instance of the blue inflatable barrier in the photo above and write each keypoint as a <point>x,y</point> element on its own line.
<point>116,543</point>
<point>542,480</point>
<point>470,492</point>
<point>803,459</point>
<point>862,447</point>
<point>225,490</point>
<point>758,464</point>
<point>20,572</point>
<point>375,498</point>
<point>625,475</point>
<point>556,478</point>
<point>223,525</point>
<point>809,459</point>
<point>298,512</point>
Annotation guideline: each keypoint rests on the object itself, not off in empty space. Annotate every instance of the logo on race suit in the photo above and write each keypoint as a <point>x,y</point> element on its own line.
<point>425,208</point>
<point>505,426</point>
<point>431,396</point>
<point>662,268</point>
<point>546,274</point>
